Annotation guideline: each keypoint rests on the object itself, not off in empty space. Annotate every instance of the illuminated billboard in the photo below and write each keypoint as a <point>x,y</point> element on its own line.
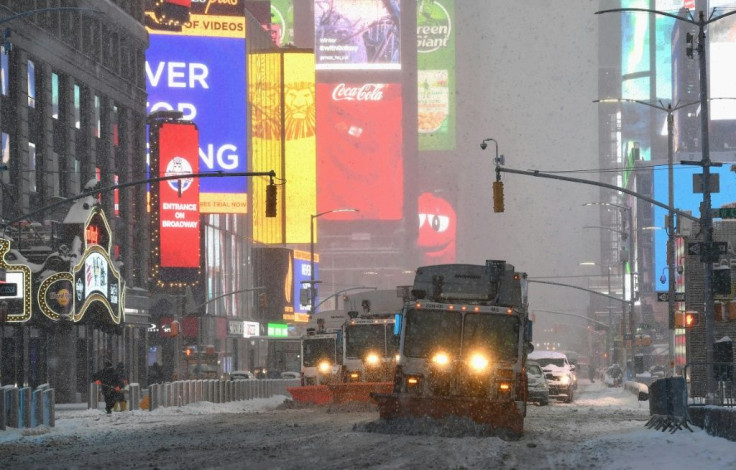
<point>359,147</point>
<point>722,49</point>
<point>282,21</point>
<point>437,236</point>
<point>284,77</point>
<point>201,72</point>
<point>302,269</point>
<point>175,220</point>
<point>357,34</point>
<point>436,74</point>
<point>685,200</point>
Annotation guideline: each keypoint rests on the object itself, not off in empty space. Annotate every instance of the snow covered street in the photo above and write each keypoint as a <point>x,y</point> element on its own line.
<point>603,428</point>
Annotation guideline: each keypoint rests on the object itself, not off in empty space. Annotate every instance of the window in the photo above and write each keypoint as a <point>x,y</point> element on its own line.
<point>32,169</point>
<point>54,178</point>
<point>77,106</point>
<point>4,74</point>
<point>31,84</point>
<point>96,111</point>
<point>115,127</point>
<point>5,158</point>
<point>55,96</point>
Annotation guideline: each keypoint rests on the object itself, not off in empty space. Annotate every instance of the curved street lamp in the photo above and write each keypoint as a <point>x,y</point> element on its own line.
<point>312,281</point>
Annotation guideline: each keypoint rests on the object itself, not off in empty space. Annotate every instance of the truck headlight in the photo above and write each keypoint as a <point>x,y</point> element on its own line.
<point>372,359</point>
<point>478,362</point>
<point>325,367</point>
<point>565,379</point>
<point>441,359</point>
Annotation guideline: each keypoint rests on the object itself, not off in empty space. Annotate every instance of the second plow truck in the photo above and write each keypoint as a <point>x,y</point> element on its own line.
<point>463,345</point>
<point>351,353</point>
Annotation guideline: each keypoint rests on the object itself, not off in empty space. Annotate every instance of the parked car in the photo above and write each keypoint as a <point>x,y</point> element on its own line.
<point>537,388</point>
<point>290,375</point>
<point>559,373</point>
<point>242,375</point>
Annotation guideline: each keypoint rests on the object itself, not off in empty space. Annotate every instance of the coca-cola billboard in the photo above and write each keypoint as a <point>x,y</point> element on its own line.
<point>359,162</point>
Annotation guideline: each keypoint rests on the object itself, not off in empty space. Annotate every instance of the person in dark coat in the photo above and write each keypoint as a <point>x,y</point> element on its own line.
<point>111,384</point>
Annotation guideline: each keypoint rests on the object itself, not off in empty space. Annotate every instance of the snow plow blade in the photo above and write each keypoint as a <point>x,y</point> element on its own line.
<point>316,394</point>
<point>497,415</point>
<point>358,391</point>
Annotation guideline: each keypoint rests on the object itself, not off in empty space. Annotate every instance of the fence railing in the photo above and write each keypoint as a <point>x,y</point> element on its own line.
<point>184,392</point>
<point>26,408</point>
<point>695,374</point>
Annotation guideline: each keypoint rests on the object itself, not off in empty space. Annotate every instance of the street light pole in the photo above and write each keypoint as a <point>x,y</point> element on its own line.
<point>630,236</point>
<point>312,281</point>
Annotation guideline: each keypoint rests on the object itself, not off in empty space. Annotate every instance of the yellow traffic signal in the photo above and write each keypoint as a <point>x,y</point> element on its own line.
<point>498,196</point>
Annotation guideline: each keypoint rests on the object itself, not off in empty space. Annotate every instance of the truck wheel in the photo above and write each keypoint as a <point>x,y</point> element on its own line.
<point>569,396</point>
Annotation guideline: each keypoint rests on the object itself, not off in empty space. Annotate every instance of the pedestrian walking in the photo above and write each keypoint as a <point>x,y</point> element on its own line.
<point>111,384</point>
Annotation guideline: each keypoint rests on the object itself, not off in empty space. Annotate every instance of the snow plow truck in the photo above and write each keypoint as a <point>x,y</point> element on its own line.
<point>351,352</point>
<point>463,344</point>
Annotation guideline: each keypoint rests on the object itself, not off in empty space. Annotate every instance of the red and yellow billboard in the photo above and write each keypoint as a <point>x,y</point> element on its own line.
<point>282,97</point>
<point>359,147</point>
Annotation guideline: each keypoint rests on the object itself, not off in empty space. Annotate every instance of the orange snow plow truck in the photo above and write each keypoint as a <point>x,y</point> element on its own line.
<point>463,344</point>
<point>352,352</point>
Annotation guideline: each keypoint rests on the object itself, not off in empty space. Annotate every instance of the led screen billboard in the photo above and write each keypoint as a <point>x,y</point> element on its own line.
<point>685,200</point>
<point>201,72</point>
<point>722,50</point>
<point>178,200</point>
<point>357,34</point>
<point>284,77</point>
<point>359,163</point>
<point>282,21</point>
<point>302,270</point>
<point>175,224</point>
<point>437,237</point>
<point>436,74</point>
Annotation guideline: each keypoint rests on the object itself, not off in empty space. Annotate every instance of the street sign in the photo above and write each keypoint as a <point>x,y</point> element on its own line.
<point>693,248</point>
<point>707,255</point>
<point>8,289</point>
<point>665,296</point>
<point>725,212</point>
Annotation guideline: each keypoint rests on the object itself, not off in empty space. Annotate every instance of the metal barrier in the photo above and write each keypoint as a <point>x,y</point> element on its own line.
<point>723,374</point>
<point>668,405</point>
<point>26,408</point>
<point>184,392</point>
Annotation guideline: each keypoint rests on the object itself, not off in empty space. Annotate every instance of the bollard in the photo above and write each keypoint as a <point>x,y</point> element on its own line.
<point>3,408</point>
<point>49,407</point>
<point>94,396</point>
<point>134,396</point>
<point>36,408</point>
<point>153,397</point>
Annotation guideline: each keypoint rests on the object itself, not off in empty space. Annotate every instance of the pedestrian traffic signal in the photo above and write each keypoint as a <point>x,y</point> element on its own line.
<point>498,196</point>
<point>271,200</point>
<point>691,319</point>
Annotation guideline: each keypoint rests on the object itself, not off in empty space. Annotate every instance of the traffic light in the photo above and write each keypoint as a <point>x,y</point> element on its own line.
<point>691,319</point>
<point>271,200</point>
<point>722,281</point>
<point>498,196</point>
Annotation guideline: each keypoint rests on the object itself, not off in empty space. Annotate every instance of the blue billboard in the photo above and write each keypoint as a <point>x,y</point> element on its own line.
<point>684,200</point>
<point>302,270</point>
<point>204,77</point>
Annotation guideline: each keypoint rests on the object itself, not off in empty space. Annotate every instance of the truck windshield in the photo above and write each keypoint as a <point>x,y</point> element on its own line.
<point>362,339</point>
<point>429,331</point>
<point>318,349</point>
<point>432,330</point>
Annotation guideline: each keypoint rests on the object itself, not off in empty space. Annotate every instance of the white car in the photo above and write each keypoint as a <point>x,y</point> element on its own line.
<point>290,375</point>
<point>242,375</point>
<point>559,373</point>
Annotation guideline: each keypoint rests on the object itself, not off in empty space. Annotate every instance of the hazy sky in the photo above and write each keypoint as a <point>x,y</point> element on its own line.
<point>527,76</point>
